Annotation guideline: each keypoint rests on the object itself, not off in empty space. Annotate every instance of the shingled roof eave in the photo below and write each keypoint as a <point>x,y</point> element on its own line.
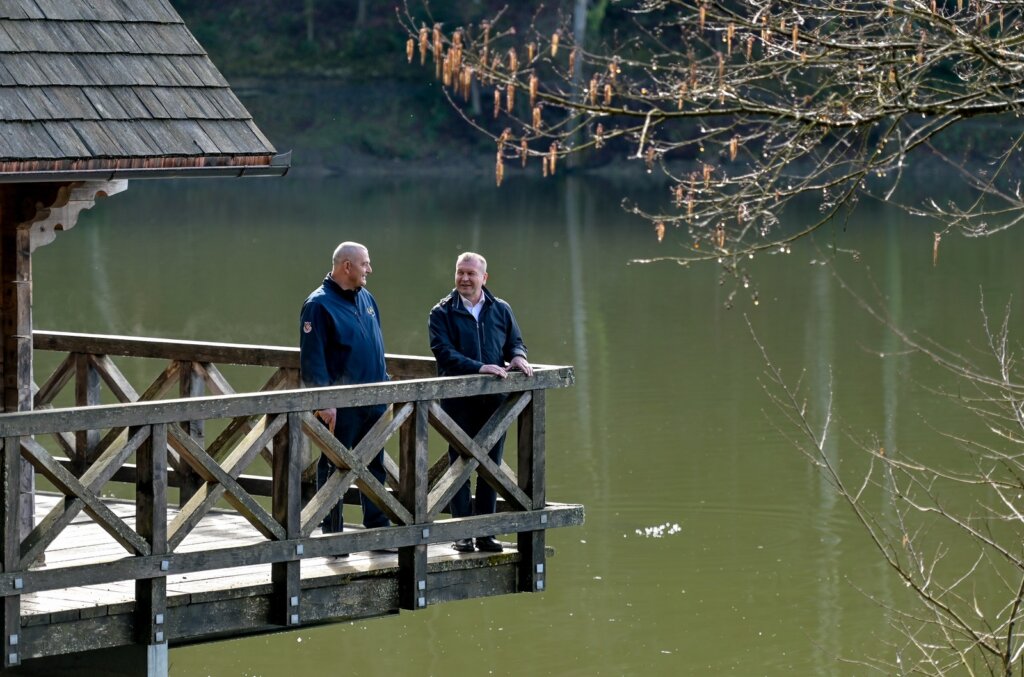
<point>248,166</point>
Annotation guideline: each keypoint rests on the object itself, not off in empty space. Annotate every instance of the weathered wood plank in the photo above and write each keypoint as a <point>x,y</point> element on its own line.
<point>210,471</point>
<point>311,399</point>
<point>151,522</point>
<point>10,543</point>
<point>412,561</point>
<point>207,495</point>
<point>47,466</point>
<point>192,383</point>
<point>355,462</point>
<point>55,383</point>
<point>399,366</point>
<point>93,479</point>
<point>498,476</point>
<point>87,394</point>
<point>112,376</point>
<point>531,465</point>
<point>234,554</point>
<point>285,576</point>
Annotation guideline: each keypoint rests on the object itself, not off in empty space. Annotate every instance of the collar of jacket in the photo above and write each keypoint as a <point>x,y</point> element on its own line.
<point>347,294</point>
<point>456,299</point>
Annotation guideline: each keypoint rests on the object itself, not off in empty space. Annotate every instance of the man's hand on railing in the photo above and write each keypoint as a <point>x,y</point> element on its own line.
<point>494,369</point>
<point>327,417</point>
<point>519,363</point>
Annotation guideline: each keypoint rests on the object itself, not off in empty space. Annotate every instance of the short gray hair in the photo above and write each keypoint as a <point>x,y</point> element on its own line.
<point>471,255</point>
<point>344,252</point>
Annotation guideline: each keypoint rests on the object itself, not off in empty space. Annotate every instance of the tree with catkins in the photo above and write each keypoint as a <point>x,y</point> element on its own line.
<point>766,101</point>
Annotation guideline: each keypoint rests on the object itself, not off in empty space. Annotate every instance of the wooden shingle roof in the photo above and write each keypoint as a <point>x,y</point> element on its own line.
<point>97,86</point>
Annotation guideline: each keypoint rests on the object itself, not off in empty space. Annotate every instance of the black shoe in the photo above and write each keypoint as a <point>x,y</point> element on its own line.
<point>463,545</point>
<point>385,551</point>
<point>340,555</point>
<point>488,544</point>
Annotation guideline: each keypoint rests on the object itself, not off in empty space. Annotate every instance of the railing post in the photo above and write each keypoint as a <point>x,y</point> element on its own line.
<point>307,462</point>
<point>151,524</point>
<point>531,434</point>
<point>287,509</point>
<point>413,490</point>
<point>10,540</point>
<point>192,385</point>
<point>87,394</point>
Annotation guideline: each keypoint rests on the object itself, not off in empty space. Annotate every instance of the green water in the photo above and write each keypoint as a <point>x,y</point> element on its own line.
<point>668,422</point>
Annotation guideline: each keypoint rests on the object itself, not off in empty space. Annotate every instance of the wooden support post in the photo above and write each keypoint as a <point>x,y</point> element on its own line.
<point>16,339</point>
<point>87,394</point>
<point>531,431</point>
<point>10,541</point>
<point>413,490</point>
<point>151,523</point>
<point>291,381</point>
<point>192,385</point>
<point>287,509</point>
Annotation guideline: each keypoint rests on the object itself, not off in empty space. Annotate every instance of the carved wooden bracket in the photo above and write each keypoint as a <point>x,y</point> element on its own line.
<point>72,199</point>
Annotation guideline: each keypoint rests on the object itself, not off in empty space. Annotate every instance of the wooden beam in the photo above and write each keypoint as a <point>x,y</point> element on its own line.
<point>10,541</point>
<point>269,552</point>
<point>192,383</point>
<point>412,560</point>
<point>286,576</point>
<point>210,471</point>
<point>98,474</point>
<point>87,394</point>
<point>399,366</point>
<point>151,522</point>
<point>531,466</point>
<point>284,401</point>
<point>16,327</point>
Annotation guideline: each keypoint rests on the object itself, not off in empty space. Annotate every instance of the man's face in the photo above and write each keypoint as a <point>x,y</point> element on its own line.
<point>355,270</point>
<point>470,278</point>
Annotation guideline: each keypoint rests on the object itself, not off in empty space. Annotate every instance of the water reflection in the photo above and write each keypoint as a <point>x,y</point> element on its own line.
<point>667,423</point>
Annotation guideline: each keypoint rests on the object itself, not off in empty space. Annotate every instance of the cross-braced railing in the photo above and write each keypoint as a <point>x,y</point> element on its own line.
<point>273,426</point>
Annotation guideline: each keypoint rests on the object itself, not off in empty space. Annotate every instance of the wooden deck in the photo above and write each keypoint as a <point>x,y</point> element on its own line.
<point>362,585</point>
<point>231,553</point>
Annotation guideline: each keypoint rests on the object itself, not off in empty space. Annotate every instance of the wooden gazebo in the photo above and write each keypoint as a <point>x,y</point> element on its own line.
<point>94,93</point>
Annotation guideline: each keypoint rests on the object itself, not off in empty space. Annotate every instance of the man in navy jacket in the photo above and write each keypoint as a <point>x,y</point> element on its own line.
<point>474,332</point>
<point>340,343</point>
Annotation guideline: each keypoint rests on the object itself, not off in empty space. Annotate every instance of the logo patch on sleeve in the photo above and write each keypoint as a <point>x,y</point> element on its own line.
<point>307,327</point>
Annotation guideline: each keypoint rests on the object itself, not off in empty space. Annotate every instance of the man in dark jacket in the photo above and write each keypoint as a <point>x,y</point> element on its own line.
<point>474,332</point>
<point>340,343</point>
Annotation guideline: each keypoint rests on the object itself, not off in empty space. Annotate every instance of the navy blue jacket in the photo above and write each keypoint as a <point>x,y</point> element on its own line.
<point>340,340</point>
<point>462,345</point>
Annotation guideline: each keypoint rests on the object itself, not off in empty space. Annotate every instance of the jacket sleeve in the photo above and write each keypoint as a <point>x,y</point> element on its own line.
<point>513,338</point>
<point>450,359</point>
<point>313,345</point>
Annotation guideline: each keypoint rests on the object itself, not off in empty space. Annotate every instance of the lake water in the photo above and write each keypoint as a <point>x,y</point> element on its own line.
<point>668,424</point>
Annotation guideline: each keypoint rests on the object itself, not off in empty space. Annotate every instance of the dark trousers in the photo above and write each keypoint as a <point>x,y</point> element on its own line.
<point>471,414</point>
<point>351,425</point>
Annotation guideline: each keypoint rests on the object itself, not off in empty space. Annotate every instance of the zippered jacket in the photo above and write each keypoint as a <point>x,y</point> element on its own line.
<point>462,345</point>
<point>340,339</point>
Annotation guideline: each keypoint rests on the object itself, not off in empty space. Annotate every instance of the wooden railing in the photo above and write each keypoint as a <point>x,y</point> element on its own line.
<point>166,438</point>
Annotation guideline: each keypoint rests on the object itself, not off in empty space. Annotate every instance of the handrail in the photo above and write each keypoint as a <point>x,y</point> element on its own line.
<point>68,419</point>
<point>404,366</point>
